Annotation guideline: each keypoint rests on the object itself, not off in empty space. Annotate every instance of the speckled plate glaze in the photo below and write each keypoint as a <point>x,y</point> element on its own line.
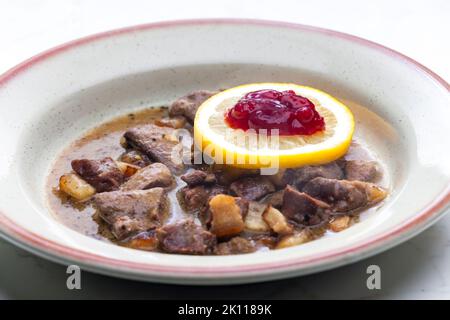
<point>402,111</point>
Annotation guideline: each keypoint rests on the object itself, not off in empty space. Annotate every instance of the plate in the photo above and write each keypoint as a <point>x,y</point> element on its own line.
<point>401,109</point>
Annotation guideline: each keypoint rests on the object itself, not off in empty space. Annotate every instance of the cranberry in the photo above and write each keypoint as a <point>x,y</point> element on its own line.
<point>268,119</point>
<point>267,109</point>
<point>243,108</point>
<point>304,114</point>
<point>294,101</point>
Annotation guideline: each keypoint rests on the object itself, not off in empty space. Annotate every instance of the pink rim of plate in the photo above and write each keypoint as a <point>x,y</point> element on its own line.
<point>54,249</point>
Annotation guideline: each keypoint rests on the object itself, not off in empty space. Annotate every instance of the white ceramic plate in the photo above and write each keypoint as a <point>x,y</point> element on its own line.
<point>51,99</point>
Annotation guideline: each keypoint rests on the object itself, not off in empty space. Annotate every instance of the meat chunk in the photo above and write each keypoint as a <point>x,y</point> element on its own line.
<point>124,226</point>
<point>344,195</point>
<point>235,246</point>
<point>226,216</point>
<point>151,176</point>
<point>158,143</point>
<point>186,237</point>
<point>252,188</point>
<point>303,209</point>
<point>361,170</point>
<point>303,175</point>
<point>198,177</point>
<point>135,157</point>
<point>193,198</point>
<point>103,175</point>
<point>187,106</point>
<point>274,199</point>
<point>129,212</point>
<point>280,179</point>
<point>227,174</point>
<point>196,197</point>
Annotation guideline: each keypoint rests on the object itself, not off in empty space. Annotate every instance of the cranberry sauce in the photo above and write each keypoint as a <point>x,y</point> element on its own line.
<point>286,111</point>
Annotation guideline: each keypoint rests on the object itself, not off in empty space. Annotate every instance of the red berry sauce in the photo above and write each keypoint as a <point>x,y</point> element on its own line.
<point>286,111</point>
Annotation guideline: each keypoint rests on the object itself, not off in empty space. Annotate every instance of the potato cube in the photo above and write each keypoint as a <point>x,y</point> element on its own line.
<point>340,223</point>
<point>126,168</point>
<point>76,187</point>
<point>295,239</point>
<point>276,221</point>
<point>254,221</point>
<point>173,122</point>
<point>226,217</point>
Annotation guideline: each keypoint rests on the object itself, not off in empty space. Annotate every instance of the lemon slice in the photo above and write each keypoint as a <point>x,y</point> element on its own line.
<point>222,143</point>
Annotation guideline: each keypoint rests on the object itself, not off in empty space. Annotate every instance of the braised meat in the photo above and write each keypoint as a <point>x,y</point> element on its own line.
<point>196,197</point>
<point>158,143</point>
<point>236,245</point>
<point>303,175</point>
<point>226,174</point>
<point>274,199</point>
<point>361,170</point>
<point>197,177</point>
<point>344,195</point>
<point>103,175</point>
<point>186,237</point>
<point>252,188</point>
<point>187,106</point>
<point>151,176</point>
<point>303,209</point>
<point>129,212</point>
<point>135,157</point>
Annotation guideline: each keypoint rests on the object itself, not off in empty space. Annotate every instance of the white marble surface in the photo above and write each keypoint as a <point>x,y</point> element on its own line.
<point>418,269</point>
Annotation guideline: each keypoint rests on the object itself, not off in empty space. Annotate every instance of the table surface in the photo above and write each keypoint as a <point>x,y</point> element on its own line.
<point>417,269</point>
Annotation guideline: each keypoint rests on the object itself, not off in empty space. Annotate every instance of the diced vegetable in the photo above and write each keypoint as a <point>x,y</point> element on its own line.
<point>340,223</point>
<point>254,221</point>
<point>144,241</point>
<point>123,142</point>
<point>226,217</point>
<point>176,122</point>
<point>375,193</point>
<point>276,221</point>
<point>295,239</point>
<point>126,168</point>
<point>76,187</point>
